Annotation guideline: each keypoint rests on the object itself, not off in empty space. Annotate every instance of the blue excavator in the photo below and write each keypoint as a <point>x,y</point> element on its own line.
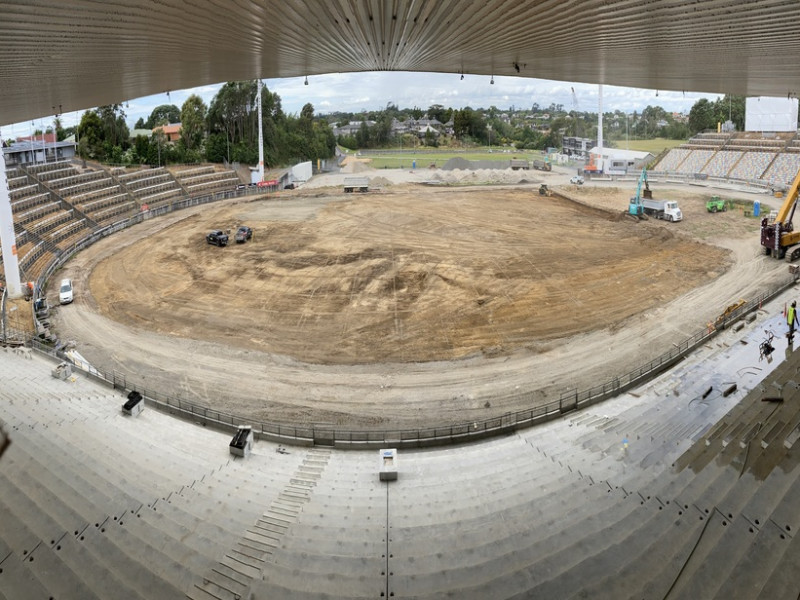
<point>635,207</point>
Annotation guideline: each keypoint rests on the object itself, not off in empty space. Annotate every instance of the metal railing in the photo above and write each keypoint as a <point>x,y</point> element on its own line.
<point>568,401</point>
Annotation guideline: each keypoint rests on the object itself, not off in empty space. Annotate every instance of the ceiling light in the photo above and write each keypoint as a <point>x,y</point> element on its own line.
<point>306,82</point>
<point>491,82</point>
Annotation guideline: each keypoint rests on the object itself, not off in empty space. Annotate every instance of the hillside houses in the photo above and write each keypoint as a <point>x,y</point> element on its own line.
<point>419,127</point>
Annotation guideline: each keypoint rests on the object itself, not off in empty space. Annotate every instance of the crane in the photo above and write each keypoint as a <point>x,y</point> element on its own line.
<point>779,239</point>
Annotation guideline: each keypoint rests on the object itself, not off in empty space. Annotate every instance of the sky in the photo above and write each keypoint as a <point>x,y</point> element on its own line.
<point>355,92</point>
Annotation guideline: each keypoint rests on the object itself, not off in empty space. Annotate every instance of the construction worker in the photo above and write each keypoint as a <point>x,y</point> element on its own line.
<point>791,318</point>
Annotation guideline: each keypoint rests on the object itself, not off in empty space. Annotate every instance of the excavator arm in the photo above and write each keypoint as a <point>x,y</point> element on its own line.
<point>779,238</point>
<point>786,211</point>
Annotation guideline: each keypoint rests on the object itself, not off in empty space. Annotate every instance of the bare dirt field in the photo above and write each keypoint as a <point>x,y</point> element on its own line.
<point>407,307</point>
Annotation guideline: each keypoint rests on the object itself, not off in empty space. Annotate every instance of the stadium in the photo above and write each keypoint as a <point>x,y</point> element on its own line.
<point>556,401</point>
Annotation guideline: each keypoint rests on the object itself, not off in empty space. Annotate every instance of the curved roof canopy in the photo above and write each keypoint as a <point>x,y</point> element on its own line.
<point>77,54</point>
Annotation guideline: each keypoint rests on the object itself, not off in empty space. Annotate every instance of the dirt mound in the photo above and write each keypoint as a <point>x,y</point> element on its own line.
<point>380,182</point>
<point>457,163</point>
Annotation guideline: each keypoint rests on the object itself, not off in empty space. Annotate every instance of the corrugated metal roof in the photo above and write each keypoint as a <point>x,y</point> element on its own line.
<point>76,55</point>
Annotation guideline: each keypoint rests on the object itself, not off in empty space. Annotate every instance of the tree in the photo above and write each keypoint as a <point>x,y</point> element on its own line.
<point>163,114</point>
<point>461,122</point>
<point>115,130</point>
<point>193,122</point>
<point>730,108</point>
<point>363,136</point>
<point>439,112</point>
<point>701,116</point>
<point>90,133</point>
<point>306,122</point>
<point>232,123</point>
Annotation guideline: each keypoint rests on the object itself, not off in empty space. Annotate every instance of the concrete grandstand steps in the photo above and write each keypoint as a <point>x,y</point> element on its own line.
<point>192,506</point>
<point>324,536</point>
<point>737,514</point>
<point>271,587</point>
<point>703,574</point>
<point>650,573</point>
<point>783,578</point>
<point>757,564</point>
<point>166,467</point>
<point>17,580</point>
<point>488,497</point>
<point>37,553</point>
<point>522,556</point>
<point>776,501</point>
<point>260,539</point>
<point>194,548</point>
<point>16,534</point>
<point>536,512</point>
<point>505,531</point>
<point>104,484</point>
<point>140,566</point>
<point>48,516</point>
<point>71,493</point>
<point>62,580</point>
<point>658,547</point>
<point>338,576</point>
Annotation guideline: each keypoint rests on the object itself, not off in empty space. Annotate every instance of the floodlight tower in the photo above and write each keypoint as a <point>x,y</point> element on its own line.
<point>260,135</point>
<point>600,120</point>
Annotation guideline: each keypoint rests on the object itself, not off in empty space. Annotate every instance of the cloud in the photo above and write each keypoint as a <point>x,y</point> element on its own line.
<point>354,92</point>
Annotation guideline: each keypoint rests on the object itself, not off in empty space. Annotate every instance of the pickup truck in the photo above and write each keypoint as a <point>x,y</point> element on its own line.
<point>217,237</point>
<point>243,233</point>
<point>577,179</point>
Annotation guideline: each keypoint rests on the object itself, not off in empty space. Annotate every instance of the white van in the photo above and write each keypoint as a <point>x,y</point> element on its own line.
<point>65,293</point>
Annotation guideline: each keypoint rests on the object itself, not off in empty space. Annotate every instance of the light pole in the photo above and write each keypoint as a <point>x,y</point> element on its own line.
<point>55,133</point>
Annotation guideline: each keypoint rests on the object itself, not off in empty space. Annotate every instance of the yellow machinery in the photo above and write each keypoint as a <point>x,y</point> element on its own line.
<point>779,238</point>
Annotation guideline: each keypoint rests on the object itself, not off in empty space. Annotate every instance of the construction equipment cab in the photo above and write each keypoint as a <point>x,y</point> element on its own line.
<point>635,207</point>
<point>779,239</point>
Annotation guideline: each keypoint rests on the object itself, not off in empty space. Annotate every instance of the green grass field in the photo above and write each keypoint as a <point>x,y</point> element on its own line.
<point>654,146</point>
<point>404,159</point>
<point>424,159</point>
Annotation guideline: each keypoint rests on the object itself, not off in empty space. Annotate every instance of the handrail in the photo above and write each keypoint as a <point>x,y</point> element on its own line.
<point>568,401</point>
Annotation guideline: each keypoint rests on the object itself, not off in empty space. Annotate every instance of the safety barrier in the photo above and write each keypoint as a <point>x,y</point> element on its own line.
<point>568,401</point>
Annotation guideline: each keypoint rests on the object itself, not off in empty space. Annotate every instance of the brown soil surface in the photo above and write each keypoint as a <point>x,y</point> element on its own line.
<point>406,308</point>
<point>402,276</point>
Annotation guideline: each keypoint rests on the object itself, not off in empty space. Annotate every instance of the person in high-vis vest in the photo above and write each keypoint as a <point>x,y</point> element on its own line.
<point>791,317</point>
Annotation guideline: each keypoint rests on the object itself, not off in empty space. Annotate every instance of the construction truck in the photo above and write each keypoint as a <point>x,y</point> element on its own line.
<point>520,163</point>
<point>542,165</point>
<point>778,237</point>
<point>662,209</point>
<point>635,207</point>
<point>716,204</point>
<point>353,184</point>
